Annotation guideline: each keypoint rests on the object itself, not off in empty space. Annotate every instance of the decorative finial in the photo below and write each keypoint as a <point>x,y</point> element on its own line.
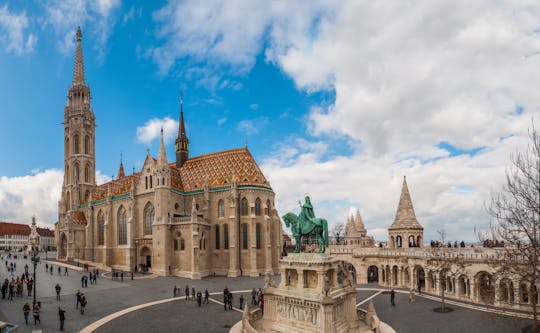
<point>162,132</point>
<point>79,34</point>
<point>181,97</point>
<point>120,157</point>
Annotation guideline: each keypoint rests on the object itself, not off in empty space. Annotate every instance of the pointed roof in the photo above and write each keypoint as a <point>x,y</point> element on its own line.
<point>405,217</point>
<point>359,224</point>
<point>78,70</point>
<point>181,126</point>
<point>121,173</point>
<point>162,155</point>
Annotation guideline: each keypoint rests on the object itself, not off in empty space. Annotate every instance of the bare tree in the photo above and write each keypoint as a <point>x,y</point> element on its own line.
<point>516,219</point>
<point>338,231</point>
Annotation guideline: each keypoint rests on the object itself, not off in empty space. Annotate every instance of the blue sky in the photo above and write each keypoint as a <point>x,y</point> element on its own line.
<point>330,99</point>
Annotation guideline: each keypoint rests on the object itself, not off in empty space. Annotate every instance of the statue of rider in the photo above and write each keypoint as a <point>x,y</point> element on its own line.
<point>307,213</point>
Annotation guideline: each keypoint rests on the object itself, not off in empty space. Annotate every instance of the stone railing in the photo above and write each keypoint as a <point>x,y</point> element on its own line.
<point>247,321</point>
<point>188,219</point>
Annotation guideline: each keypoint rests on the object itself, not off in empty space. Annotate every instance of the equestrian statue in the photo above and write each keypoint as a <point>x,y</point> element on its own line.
<point>306,224</point>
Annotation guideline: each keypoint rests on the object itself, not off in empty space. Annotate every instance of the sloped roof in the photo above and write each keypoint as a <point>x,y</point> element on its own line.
<point>220,168</point>
<point>405,217</point>
<point>44,232</point>
<point>78,217</point>
<point>7,228</point>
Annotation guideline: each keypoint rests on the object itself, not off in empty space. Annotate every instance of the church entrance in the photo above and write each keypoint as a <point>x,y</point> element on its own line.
<point>62,250</point>
<point>372,274</point>
<point>420,279</point>
<point>145,259</point>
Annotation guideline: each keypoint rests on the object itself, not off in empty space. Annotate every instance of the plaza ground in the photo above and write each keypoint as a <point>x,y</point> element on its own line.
<point>110,296</point>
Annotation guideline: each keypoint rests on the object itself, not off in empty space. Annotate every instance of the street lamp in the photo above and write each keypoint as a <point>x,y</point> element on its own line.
<point>35,260</point>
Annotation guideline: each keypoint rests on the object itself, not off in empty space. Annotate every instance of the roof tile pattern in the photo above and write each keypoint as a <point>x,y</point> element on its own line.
<point>7,228</point>
<point>405,217</point>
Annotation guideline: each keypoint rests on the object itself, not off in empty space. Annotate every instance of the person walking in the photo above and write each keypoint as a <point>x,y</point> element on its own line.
<point>225,298</point>
<point>199,298</point>
<point>58,288</point>
<point>62,317</point>
<point>261,303</point>
<point>59,271</point>
<point>66,271</point>
<point>412,296</point>
<point>83,303</point>
<point>78,296</point>
<point>241,302</point>
<point>174,291</point>
<point>253,297</point>
<point>392,297</point>
<point>192,293</point>
<point>36,314</point>
<point>122,276</point>
<point>206,295</point>
<point>26,312</point>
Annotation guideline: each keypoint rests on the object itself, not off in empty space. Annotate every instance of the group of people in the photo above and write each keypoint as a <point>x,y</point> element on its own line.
<point>449,244</point>
<point>194,295</point>
<point>493,243</point>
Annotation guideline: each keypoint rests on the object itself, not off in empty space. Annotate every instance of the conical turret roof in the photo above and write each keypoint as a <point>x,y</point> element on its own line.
<point>358,223</point>
<point>78,70</point>
<point>162,155</point>
<point>405,217</point>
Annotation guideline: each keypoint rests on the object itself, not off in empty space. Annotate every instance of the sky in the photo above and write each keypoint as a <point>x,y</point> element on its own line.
<point>335,99</point>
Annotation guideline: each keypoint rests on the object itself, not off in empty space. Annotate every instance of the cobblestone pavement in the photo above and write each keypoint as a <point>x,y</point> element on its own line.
<point>108,297</point>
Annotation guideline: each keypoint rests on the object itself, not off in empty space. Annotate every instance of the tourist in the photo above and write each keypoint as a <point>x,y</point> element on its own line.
<point>412,296</point>
<point>174,291</point>
<point>253,297</point>
<point>78,297</point>
<point>199,298</point>
<point>29,286</point>
<point>57,287</point>
<point>46,267</point>
<point>392,297</point>
<point>122,276</point>
<point>62,317</point>
<point>225,297</point>
<point>59,271</point>
<point>187,292</point>
<point>36,314</point>
<point>26,312</point>
<point>241,302</point>
<point>83,303</point>
<point>206,295</point>
<point>66,271</point>
<point>261,303</point>
<point>82,281</point>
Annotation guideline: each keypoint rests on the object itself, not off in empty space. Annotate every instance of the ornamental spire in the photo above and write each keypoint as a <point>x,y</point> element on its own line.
<point>78,70</point>
<point>162,155</point>
<point>405,217</point>
<point>182,142</point>
<point>121,173</point>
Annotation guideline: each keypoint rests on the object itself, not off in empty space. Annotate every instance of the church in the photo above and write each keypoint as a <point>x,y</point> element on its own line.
<point>212,214</point>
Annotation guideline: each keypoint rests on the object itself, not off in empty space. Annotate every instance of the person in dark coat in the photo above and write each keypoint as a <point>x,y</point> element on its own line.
<point>392,297</point>
<point>62,317</point>
<point>199,298</point>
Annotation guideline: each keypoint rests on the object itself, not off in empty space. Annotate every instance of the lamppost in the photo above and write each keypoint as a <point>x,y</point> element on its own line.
<point>35,260</point>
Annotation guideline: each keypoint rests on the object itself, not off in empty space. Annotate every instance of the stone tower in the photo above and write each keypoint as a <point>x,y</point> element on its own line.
<point>182,142</point>
<point>405,231</point>
<point>79,139</point>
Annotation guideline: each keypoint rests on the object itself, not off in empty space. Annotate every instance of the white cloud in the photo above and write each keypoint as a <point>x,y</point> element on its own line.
<point>152,130</point>
<point>252,126</point>
<point>14,32</point>
<point>37,194</point>
<point>221,121</point>
<point>94,17</point>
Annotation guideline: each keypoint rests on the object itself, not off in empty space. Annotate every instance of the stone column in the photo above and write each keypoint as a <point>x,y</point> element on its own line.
<point>234,265</point>
<point>267,228</point>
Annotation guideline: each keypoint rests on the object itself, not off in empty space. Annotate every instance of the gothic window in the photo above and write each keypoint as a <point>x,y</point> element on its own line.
<point>146,183</point>
<point>148,218</point>
<point>150,181</point>
<point>66,147</point>
<point>217,237</point>
<point>87,144</point>
<point>75,144</point>
<point>225,236</point>
<point>258,235</point>
<point>267,208</point>
<point>76,173</point>
<point>67,174</point>
<point>175,244</point>
<point>244,207</point>
<point>182,244</point>
<point>258,207</point>
<point>68,201</point>
<point>87,173</point>
<point>221,208</point>
<point>122,226</point>
<point>101,228</point>
<point>244,236</point>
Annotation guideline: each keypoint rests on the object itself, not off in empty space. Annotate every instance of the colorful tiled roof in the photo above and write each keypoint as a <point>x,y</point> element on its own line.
<point>78,217</point>
<point>220,168</point>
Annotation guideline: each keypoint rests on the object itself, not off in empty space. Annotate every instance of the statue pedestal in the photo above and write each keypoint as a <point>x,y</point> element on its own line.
<point>315,295</point>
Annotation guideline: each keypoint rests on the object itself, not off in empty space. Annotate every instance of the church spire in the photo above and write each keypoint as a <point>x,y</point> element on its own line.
<point>405,217</point>
<point>162,155</point>
<point>121,173</point>
<point>78,70</point>
<point>182,142</point>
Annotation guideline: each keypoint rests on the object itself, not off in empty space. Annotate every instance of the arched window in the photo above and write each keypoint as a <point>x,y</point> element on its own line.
<point>175,244</point>
<point>244,207</point>
<point>182,244</point>
<point>258,235</point>
<point>221,208</point>
<point>150,181</point>
<point>76,144</point>
<point>267,208</point>
<point>101,228</point>
<point>217,237</point>
<point>76,173</point>
<point>68,201</point>
<point>87,144</point>
<point>258,207</point>
<point>87,173</point>
<point>67,174</point>
<point>225,236</point>
<point>398,241</point>
<point>148,218</point>
<point>66,146</point>
<point>122,226</point>
<point>146,183</point>
<point>244,236</point>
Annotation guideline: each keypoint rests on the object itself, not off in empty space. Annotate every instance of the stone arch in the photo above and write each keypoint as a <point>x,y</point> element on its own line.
<point>412,241</point>
<point>76,144</point>
<point>373,274</point>
<point>399,241</point>
<point>430,286</point>
<point>148,218</point>
<point>62,249</point>
<point>505,291</point>
<point>395,275</point>
<point>76,172</point>
<point>485,287</point>
<point>87,173</point>
<point>87,144</point>
<point>145,258</point>
<point>462,286</point>
<point>257,207</point>
<point>244,208</point>
<point>420,278</point>
<point>406,277</point>
<point>122,226</point>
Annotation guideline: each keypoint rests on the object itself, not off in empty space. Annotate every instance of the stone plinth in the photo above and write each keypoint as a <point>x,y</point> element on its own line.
<point>316,294</point>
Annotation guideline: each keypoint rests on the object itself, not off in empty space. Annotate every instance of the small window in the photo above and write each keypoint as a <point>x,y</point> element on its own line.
<point>221,208</point>
<point>244,207</point>
<point>146,183</point>
<point>175,244</point>
<point>244,236</point>
<point>258,235</point>
<point>258,207</point>
<point>150,181</point>
<point>267,208</point>
<point>225,236</point>
<point>217,237</point>
<point>182,244</point>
